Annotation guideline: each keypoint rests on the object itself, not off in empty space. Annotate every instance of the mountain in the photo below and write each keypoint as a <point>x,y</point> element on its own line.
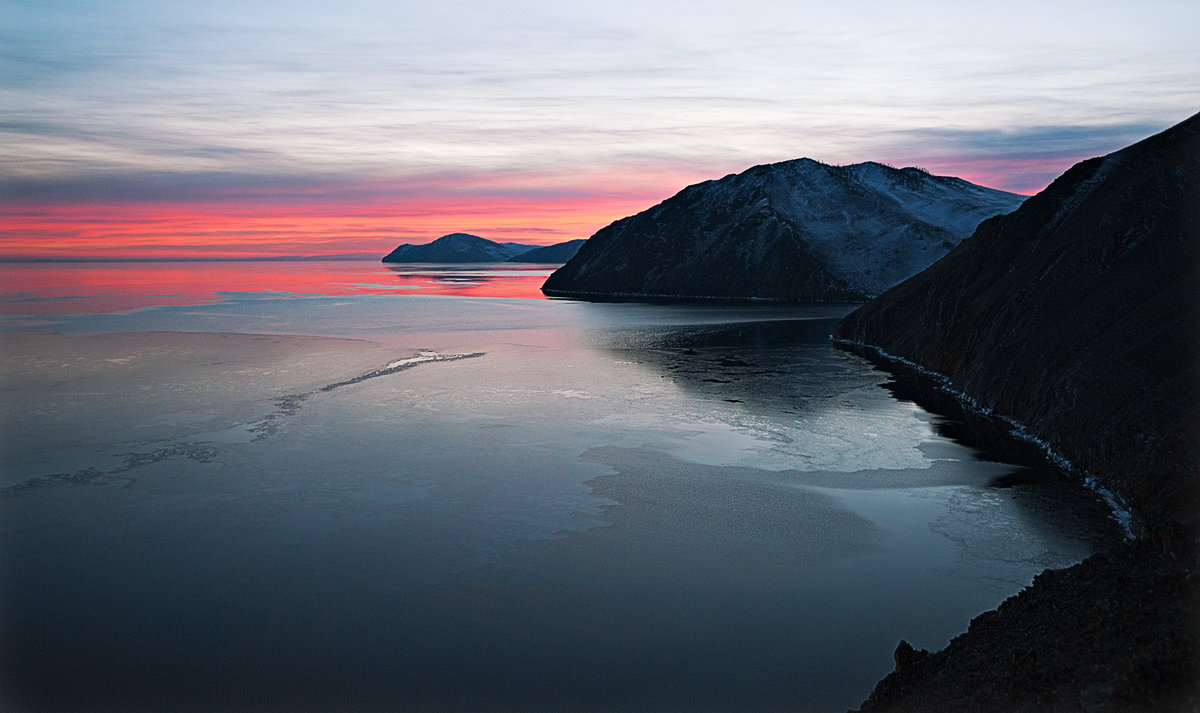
<point>557,253</point>
<point>1076,319</point>
<point>463,247</point>
<point>798,230</point>
<point>457,247</point>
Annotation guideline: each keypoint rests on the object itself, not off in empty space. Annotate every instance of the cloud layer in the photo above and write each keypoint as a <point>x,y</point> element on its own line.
<point>404,109</point>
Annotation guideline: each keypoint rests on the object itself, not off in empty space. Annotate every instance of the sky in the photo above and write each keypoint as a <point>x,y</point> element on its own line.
<point>244,129</point>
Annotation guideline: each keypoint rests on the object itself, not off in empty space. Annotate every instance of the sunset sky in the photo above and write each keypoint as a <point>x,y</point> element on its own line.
<point>169,129</point>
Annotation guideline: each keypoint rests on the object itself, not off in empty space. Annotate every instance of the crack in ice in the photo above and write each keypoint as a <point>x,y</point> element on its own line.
<point>204,451</point>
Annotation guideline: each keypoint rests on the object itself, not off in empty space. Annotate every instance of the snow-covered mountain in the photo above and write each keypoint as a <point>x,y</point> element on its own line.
<point>457,247</point>
<point>797,230</point>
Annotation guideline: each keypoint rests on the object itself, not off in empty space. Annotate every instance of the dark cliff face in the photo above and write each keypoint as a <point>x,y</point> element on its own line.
<point>798,230</point>
<point>1078,315</point>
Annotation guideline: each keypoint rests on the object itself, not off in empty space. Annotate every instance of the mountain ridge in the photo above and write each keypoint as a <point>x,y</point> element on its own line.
<point>796,230</point>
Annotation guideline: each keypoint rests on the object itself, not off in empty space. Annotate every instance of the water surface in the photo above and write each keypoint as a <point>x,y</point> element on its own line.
<point>311,486</point>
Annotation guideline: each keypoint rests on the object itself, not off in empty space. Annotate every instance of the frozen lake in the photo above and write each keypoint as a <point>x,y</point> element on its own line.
<point>268,486</point>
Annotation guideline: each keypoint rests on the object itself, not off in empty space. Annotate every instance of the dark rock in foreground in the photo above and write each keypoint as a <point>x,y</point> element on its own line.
<point>1109,634</point>
<point>1078,317</point>
<point>799,230</point>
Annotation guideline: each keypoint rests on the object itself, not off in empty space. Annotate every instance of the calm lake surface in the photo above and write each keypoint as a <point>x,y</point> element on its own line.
<point>344,485</point>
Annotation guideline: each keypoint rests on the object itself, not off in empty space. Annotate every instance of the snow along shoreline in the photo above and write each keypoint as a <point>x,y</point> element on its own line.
<point>1120,511</point>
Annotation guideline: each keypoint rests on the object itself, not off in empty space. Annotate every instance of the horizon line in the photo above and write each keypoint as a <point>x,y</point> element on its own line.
<point>281,258</point>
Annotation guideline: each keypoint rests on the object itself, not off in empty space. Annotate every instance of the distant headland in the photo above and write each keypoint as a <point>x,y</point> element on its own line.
<point>467,248</point>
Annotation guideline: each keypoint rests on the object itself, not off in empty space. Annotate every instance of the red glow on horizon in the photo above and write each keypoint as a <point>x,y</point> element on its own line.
<point>364,220</point>
<point>156,230</point>
<point>266,225</point>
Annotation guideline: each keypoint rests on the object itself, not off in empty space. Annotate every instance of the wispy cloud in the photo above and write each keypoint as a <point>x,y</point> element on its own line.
<point>542,105</point>
<point>1034,141</point>
<point>1020,159</point>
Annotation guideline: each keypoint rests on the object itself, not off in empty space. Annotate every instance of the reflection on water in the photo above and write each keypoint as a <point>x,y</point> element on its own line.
<point>781,363</point>
<point>487,280</point>
<point>28,289</point>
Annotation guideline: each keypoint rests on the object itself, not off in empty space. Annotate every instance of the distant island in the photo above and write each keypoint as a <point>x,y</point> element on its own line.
<point>799,230</point>
<point>467,248</point>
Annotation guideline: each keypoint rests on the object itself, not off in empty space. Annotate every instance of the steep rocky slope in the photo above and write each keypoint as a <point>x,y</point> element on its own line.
<point>1078,315</point>
<point>798,230</point>
<point>1077,318</point>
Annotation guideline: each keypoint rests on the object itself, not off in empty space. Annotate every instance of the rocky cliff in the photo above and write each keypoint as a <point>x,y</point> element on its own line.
<point>1078,316</point>
<point>799,230</point>
<point>1077,319</point>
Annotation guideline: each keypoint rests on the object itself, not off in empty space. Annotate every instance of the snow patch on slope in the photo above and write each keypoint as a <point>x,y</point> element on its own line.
<point>875,225</point>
